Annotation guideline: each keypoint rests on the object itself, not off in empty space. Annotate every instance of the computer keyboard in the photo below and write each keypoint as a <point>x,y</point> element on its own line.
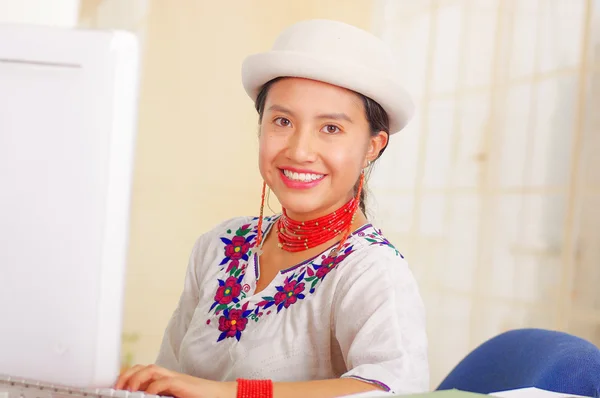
<point>12,387</point>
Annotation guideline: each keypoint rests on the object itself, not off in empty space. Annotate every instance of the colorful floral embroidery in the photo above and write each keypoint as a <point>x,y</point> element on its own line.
<point>233,323</point>
<point>233,316</point>
<point>327,264</point>
<point>228,291</point>
<point>289,293</point>
<point>377,238</point>
<point>294,286</point>
<point>238,247</point>
<point>237,251</point>
<point>286,295</point>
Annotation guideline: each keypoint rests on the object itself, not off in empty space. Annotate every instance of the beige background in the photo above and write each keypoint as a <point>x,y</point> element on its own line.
<point>492,192</point>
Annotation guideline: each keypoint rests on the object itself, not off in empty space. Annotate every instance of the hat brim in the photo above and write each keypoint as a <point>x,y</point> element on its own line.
<point>258,69</point>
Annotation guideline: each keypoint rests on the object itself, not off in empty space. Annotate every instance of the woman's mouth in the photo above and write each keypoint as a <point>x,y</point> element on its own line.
<point>300,180</point>
<point>303,177</point>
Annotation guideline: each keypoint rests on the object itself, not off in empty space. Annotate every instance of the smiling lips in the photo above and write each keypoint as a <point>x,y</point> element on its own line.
<point>300,180</point>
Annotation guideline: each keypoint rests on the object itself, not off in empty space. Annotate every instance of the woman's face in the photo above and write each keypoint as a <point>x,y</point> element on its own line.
<point>314,142</point>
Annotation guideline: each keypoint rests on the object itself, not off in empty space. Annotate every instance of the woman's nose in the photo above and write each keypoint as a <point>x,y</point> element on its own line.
<point>301,146</point>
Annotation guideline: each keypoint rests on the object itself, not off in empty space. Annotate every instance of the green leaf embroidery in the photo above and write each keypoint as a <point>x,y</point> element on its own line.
<point>238,272</point>
<point>268,298</point>
<point>228,231</point>
<point>221,307</point>
<point>242,232</point>
<point>312,285</point>
<point>310,278</point>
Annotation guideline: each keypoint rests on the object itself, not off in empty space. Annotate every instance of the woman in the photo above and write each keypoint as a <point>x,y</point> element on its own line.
<point>314,302</point>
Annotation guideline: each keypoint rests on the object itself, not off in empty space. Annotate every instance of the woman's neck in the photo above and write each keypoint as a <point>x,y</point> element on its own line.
<point>316,214</point>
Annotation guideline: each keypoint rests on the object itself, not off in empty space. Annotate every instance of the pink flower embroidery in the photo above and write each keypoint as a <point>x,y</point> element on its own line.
<point>229,291</point>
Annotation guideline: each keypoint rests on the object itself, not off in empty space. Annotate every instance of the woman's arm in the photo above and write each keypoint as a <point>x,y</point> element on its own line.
<point>378,320</point>
<point>315,389</point>
<point>160,381</point>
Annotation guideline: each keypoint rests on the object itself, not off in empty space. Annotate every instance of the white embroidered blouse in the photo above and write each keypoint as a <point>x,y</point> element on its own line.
<point>356,315</point>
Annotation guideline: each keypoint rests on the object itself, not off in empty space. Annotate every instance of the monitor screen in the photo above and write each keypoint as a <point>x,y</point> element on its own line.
<point>68,104</point>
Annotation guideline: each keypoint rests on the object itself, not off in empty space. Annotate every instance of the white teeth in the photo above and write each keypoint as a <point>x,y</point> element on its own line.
<point>304,177</point>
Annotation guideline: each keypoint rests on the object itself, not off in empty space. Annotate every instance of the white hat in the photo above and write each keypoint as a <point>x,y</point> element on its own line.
<point>338,54</point>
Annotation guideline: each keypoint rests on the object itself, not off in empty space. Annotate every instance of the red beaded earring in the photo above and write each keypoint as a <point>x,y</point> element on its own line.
<point>259,234</point>
<point>356,206</point>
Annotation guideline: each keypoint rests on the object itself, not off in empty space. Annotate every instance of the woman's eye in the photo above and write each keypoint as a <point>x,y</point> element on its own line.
<point>331,129</point>
<point>283,122</point>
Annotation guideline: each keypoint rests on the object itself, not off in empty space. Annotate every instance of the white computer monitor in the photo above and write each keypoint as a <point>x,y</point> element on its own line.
<point>68,102</point>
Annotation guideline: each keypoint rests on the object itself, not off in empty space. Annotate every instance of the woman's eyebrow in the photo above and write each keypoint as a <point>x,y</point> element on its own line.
<point>335,116</point>
<point>282,109</point>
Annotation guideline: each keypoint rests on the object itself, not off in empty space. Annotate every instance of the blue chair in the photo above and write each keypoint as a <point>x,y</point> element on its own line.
<point>522,358</point>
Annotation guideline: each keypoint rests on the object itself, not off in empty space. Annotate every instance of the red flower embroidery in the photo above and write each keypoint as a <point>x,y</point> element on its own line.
<point>232,324</point>
<point>289,293</point>
<point>228,292</point>
<point>328,264</point>
<point>238,248</point>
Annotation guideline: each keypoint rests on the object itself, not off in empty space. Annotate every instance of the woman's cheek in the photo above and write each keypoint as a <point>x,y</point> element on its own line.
<point>344,157</point>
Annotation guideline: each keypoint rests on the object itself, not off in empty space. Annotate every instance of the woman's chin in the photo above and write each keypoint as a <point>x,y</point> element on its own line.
<point>301,208</point>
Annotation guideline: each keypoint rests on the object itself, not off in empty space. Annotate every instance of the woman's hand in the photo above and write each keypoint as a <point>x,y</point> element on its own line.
<point>155,380</point>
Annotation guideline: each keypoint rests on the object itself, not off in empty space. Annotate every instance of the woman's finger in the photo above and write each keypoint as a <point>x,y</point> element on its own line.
<point>161,386</point>
<point>145,385</point>
<point>120,384</point>
<point>144,376</point>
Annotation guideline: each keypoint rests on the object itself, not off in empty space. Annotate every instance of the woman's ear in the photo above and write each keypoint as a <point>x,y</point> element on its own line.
<point>377,143</point>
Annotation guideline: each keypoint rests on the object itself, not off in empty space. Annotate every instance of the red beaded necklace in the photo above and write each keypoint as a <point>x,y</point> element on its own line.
<point>295,236</point>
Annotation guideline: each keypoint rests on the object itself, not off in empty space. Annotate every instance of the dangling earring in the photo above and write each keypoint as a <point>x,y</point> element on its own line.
<point>361,182</point>
<point>260,218</point>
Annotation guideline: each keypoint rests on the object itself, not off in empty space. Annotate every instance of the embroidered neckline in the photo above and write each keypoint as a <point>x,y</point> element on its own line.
<point>300,264</point>
<point>233,316</point>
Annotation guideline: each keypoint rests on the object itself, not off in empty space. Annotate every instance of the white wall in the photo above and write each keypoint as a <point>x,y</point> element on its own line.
<point>40,12</point>
<point>492,191</point>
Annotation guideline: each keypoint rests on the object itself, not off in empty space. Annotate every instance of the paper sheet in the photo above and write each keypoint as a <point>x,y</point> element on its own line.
<point>533,393</point>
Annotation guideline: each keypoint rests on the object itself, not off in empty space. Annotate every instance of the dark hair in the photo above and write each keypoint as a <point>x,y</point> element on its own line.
<point>375,114</point>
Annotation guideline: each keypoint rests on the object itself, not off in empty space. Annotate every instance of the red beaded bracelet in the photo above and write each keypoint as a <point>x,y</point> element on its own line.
<point>254,388</point>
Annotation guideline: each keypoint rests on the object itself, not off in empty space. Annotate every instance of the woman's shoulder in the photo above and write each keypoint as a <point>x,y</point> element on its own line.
<point>373,263</point>
<point>368,249</point>
<point>369,242</point>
